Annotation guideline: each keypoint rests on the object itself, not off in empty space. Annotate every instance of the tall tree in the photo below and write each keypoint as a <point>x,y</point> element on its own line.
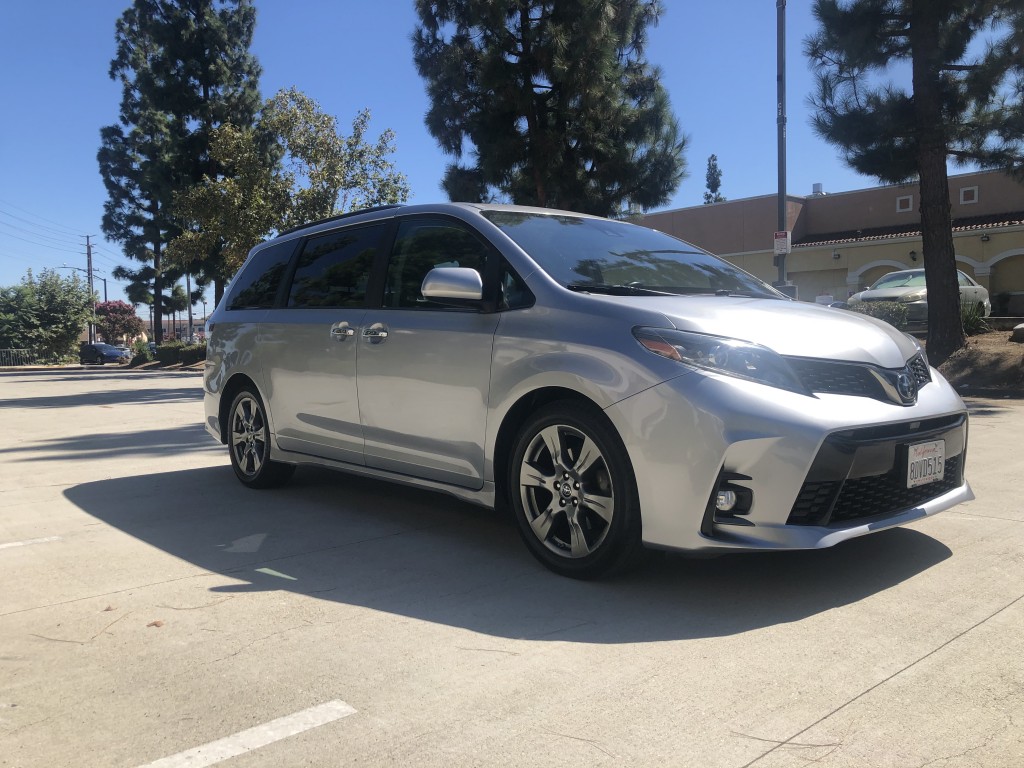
<point>291,168</point>
<point>549,102</point>
<point>714,182</point>
<point>185,68</point>
<point>965,64</point>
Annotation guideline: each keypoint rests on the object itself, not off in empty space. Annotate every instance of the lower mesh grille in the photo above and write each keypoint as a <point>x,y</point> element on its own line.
<point>832,502</point>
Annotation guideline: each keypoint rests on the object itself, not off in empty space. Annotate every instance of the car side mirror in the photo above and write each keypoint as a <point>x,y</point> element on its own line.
<point>453,283</point>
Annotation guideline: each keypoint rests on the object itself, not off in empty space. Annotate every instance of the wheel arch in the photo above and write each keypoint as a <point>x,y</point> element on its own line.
<point>513,420</point>
<point>236,384</point>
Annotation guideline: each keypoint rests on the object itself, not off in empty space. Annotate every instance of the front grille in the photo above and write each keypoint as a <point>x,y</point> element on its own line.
<point>835,502</point>
<point>858,379</point>
<point>919,368</point>
<point>838,378</point>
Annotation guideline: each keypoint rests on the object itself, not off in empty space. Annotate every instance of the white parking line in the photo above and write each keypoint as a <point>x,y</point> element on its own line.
<point>27,542</point>
<point>254,738</point>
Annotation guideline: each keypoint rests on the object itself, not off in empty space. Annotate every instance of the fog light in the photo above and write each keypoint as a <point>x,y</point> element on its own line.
<point>725,501</point>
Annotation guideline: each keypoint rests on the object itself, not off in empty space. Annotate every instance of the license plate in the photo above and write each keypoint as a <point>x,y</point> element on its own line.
<point>926,463</point>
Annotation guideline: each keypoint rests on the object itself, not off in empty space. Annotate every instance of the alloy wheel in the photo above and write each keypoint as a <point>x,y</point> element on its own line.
<point>248,436</point>
<point>566,490</point>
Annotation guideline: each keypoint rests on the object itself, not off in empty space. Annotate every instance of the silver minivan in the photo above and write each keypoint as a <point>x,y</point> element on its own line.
<point>617,388</point>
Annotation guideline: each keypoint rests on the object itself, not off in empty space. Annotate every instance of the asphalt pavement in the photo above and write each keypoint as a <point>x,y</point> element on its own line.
<point>154,612</point>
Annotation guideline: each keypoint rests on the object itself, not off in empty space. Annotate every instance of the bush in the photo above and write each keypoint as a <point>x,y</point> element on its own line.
<point>893,312</point>
<point>973,320</point>
<point>169,353</point>
<point>192,353</point>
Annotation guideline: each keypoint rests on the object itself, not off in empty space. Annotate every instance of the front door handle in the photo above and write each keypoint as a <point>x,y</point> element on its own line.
<point>376,333</point>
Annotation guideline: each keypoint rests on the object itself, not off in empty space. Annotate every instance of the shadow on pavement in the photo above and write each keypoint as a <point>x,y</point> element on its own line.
<point>151,389</point>
<point>429,557</point>
<point>173,441</point>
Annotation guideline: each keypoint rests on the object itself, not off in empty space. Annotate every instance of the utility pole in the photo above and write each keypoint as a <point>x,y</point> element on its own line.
<point>188,292</point>
<point>781,234</point>
<point>88,265</point>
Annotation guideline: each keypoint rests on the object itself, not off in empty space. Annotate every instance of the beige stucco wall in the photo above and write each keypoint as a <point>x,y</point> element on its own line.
<point>741,231</point>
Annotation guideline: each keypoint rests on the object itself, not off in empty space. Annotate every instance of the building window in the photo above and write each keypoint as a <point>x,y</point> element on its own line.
<point>904,203</point>
<point>968,195</point>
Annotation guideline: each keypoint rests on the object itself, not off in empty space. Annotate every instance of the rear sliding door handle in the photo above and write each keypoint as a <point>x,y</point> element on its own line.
<point>341,332</point>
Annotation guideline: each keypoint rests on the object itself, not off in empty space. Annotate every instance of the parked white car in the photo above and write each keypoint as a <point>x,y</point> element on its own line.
<point>907,286</point>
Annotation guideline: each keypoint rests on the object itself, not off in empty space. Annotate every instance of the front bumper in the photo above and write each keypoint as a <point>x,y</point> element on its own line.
<point>819,470</point>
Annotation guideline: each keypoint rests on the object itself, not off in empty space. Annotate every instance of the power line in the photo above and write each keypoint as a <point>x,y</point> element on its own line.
<point>36,234</point>
<point>44,245</point>
<point>37,216</point>
<point>34,224</point>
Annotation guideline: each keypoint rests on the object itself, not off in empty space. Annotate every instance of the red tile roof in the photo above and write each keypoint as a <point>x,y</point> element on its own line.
<point>910,230</point>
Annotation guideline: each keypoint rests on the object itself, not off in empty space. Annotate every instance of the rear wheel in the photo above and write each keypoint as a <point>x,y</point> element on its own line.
<point>249,443</point>
<point>574,494</point>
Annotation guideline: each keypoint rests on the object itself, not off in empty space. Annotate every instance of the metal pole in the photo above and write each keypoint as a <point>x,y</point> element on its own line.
<point>188,293</point>
<point>780,6</point>
<point>88,264</point>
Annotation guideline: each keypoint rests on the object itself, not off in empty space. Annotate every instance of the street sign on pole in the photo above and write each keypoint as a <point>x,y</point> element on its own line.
<point>783,243</point>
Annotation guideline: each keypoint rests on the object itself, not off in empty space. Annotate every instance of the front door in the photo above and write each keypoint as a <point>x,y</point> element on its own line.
<point>424,367</point>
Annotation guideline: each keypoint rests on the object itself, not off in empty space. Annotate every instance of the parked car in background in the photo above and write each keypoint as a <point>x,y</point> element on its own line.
<point>908,287</point>
<point>99,353</point>
<point>615,387</point>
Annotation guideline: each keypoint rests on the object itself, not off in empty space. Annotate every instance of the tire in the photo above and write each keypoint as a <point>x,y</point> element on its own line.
<point>249,443</point>
<point>573,493</point>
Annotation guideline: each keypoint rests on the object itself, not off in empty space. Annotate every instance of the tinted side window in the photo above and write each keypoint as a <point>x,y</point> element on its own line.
<point>256,285</point>
<point>333,270</point>
<point>422,245</point>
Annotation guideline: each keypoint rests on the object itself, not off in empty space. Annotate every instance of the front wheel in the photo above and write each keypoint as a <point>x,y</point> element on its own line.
<point>249,443</point>
<point>574,494</point>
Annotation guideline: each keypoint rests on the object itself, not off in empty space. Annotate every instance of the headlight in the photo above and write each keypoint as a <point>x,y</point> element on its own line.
<point>716,353</point>
<point>907,298</point>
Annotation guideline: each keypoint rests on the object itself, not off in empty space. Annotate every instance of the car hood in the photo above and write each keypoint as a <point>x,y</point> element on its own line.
<point>885,294</point>
<point>792,328</point>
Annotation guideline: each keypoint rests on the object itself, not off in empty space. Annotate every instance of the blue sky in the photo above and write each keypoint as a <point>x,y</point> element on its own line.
<point>718,61</point>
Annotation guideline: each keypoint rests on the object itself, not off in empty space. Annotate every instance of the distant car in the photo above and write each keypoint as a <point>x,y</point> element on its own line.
<point>612,386</point>
<point>907,286</point>
<point>98,354</point>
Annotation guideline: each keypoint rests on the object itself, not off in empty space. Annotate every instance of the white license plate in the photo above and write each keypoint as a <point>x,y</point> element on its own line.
<point>926,463</point>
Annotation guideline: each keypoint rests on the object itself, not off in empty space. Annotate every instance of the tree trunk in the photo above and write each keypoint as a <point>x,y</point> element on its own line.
<point>534,140</point>
<point>945,326</point>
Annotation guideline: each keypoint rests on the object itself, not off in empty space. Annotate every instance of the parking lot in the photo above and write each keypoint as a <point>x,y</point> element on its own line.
<point>153,609</point>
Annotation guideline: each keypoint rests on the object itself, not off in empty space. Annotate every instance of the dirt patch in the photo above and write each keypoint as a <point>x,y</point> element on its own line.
<point>989,363</point>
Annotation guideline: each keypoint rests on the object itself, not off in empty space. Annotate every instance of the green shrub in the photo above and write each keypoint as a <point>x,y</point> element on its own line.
<point>169,353</point>
<point>893,312</point>
<point>193,353</point>
<point>973,320</point>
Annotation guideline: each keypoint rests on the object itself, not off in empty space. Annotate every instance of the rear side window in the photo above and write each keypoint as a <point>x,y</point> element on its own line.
<point>333,270</point>
<point>256,286</point>
<point>421,245</point>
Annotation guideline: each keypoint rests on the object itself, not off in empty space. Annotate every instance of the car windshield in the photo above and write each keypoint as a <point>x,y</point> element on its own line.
<point>612,257</point>
<point>105,348</point>
<point>913,279</point>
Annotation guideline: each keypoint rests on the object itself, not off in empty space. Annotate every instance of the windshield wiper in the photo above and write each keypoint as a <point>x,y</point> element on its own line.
<point>630,289</point>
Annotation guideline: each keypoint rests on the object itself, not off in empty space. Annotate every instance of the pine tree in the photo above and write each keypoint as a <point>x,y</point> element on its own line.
<point>714,182</point>
<point>965,104</point>
<point>552,101</point>
<point>184,68</point>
